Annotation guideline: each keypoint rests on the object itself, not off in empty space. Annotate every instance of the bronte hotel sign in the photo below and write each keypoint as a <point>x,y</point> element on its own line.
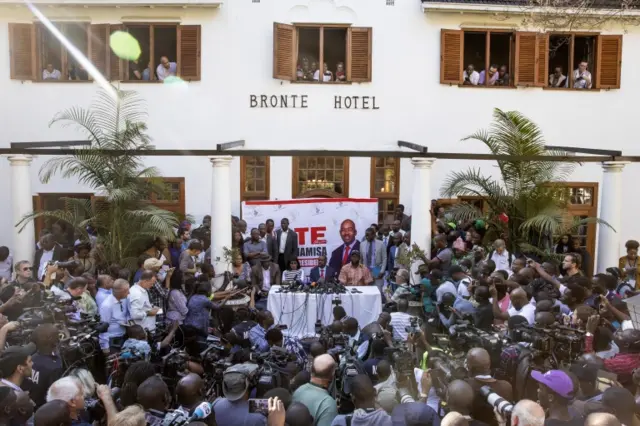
<point>302,101</point>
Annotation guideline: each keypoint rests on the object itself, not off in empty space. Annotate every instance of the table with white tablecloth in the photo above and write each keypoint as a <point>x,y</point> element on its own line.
<point>300,311</point>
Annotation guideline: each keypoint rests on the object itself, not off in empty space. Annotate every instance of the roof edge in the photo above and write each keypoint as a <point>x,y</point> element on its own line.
<point>448,7</point>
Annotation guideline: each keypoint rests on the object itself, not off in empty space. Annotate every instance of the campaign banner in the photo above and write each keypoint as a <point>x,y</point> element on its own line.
<point>323,225</point>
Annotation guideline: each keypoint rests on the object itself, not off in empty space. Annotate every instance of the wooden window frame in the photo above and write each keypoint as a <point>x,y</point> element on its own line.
<point>385,196</point>
<point>40,32</point>
<point>570,68</point>
<point>348,60</point>
<point>152,71</point>
<point>254,196</point>
<point>38,205</point>
<point>320,193</point>
<point>180,206</point>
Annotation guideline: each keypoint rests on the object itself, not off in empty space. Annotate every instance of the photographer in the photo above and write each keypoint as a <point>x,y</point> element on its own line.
<point>257,335</point>
<point>83,301</point>
<point>555,392</point>
<point>189,393</point>
<point>479,368</point>
<point>363,395</point>
<point>386,388</point>
<point>400,320</point>
<point>376,356</point>
<point>510,356</point>
<point>315,396</point>
<point>47,364</point>
<point>233,409</point>
<point>455,308</point>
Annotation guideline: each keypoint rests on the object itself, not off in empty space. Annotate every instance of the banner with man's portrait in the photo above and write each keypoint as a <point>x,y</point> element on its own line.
<point>325,226</point>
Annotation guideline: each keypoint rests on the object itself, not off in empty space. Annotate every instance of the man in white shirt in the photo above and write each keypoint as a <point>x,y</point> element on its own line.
<point>582,77</point>
<point>166,68</point>
<point>50,73</point>
<point>141,310</point>
<point>6,263</point>
<point>519,306</point>
<point>501,256</point>
<point>396,228</point>
<point>401,320</point>
<point>471,77</point>
<point>114,310</point>
<point>444,288</point>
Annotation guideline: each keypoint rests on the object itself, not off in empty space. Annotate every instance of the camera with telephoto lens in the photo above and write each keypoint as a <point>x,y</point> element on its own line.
<point>445,369</point>
<point>69,265</point>
<point>501,405</point>
<point>401,359</point>
<point>565,344</point>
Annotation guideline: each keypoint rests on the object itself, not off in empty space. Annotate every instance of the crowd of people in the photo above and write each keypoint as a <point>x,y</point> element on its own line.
<point>481,336</point>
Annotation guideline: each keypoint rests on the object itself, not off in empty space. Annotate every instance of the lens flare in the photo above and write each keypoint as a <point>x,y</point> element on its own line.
<point>125,46</point>
<point>79,56</point>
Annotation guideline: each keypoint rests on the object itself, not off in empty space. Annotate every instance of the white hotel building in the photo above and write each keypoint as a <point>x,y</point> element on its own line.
<point>403,62</point>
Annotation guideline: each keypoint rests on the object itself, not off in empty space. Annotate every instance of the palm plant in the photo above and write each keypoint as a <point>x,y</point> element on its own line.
<point>527,202</point>
<point>121,214</point>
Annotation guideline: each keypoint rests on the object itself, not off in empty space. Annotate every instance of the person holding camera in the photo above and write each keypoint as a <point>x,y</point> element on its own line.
<point>479,367</point>
<point>233,409</point>
<point>366,412</point>
<point>452,309</point>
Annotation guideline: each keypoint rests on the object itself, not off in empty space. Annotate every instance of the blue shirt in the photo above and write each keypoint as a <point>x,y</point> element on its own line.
<point>462,306</point>
<point>257,338</point>
<point>101,295</point>
<point>198,316</point>
<point>236,413</point>
<point>115,313</point>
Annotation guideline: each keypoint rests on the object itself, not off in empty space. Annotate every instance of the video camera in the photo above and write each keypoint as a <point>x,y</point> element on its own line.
<point>444,369</point>
<point>563,344</point>
<point>465,336</point>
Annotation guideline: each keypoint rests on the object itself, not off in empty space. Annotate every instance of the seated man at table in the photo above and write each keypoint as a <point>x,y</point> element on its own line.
<point>355,273</point>
<point>263,276</point>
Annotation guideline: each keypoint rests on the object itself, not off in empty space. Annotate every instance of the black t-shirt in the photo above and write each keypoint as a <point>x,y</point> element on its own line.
<point>483,316</point>
<point>46,370</point>
<point>576,421</point>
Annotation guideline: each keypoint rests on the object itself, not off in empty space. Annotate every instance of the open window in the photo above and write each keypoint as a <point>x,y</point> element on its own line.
<point>54,62</point>
<point>385,186</point>
<point>584,61</point>
<point>476,57</point>
<point>322,53</point>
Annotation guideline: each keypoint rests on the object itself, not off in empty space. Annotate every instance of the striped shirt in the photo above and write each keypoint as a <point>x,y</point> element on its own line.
<point>289,275</point>
<point>399,321</point>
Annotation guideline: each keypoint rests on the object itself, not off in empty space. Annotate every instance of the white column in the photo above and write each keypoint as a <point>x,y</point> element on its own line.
<point>23,247</point>
<point>610,212</point>
<point>220,211</point>
<point>421,203</point>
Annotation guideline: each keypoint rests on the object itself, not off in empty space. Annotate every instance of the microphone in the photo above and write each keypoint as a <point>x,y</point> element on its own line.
<point>202,411</point>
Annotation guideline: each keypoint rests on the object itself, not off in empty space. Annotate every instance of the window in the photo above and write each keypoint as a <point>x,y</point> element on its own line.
<point>172,198</point>
<point>583,61</point>
<point>536,59</point>
<point>385,186</point>
<point>322,53</point>
<point>320,177</point>
<point>254,178</point>
<point>477,58</point>
<point>37,55</point>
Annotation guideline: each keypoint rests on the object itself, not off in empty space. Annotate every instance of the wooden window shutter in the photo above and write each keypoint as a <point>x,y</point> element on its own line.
<point>22,50</point>
<point>609,62</point>
<point>189,42</point>
<point>116,65</point>
<point>543,60</point>
<point>451,56</point>
<point>360,63</point>
<point>526,63</point>
<point>284,45</point>
<point>99,48</point>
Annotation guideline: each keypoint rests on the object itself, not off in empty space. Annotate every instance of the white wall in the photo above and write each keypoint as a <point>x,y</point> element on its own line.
<point>237,62</point>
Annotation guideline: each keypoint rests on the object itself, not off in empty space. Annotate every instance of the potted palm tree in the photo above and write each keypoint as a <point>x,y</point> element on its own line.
<point>526,202</point>
<point>121,214</point>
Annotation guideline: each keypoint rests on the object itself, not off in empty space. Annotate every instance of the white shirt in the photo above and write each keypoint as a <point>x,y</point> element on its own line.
<point>139,305</point>
<point>47,256</point>
<point>53,75</point>
<point>474,78</point>
<point>6,267</point>
<point>266,279</point>
<point>392,233</point>
<point>609,353</point>
<point>528,311</point>
<point>585,83</point>
<point>114,312</point>
<point>501,260</point>
<point>164,73</point>
<point>283,240</point>
<point>400,320</point>
<point>463,290</point>
<point>444,288</point>
<point>245,235</point>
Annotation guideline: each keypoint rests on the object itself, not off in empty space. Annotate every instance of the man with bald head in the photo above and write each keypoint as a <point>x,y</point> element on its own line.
<point>519,306</point>
<point>528,413</point>
<point>115,311</point>
<point>602,419</point>
<point>189,391</point>
<point>342,254</point>
<point>460,398</point>
<point>479,367</point>
<point>315,395</point>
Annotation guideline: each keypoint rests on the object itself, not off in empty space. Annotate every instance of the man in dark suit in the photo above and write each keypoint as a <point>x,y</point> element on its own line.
<point>49,251</point>
<point>263,276</point>
<point>272,247</point>
<point>341,255</point>
<point>321,271</point>
<point>287,244</point>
